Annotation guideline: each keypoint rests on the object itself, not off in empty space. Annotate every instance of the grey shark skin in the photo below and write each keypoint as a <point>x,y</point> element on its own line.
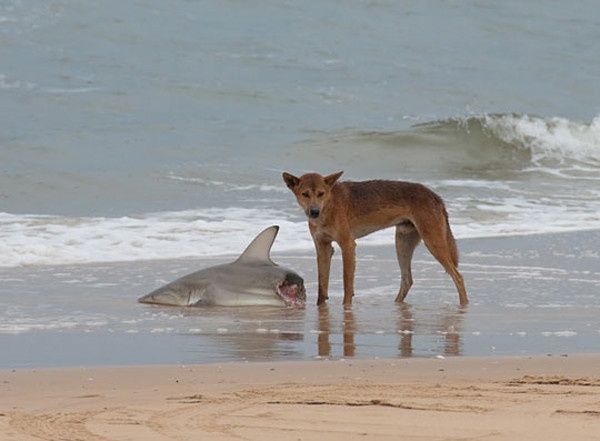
<point>251,280</point>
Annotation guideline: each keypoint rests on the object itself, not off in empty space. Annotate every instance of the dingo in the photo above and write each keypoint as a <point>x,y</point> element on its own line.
<point>345,211</point>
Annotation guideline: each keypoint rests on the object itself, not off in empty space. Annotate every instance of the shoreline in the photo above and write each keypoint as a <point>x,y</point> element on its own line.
<point>529,295</point>
<point>469,397</point>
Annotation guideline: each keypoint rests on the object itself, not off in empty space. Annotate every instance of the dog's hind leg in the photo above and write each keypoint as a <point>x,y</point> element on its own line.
<point>407,239</point>
<point>440,243</point>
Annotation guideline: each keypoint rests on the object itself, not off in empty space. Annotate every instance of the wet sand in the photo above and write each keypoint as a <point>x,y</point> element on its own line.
<point>527,398</point>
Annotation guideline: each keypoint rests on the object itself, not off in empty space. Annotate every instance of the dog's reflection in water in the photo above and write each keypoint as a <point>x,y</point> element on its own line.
<point>442,329</point>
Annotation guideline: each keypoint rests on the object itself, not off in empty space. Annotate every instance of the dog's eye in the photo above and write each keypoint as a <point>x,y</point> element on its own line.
<point>305,194</point>
<point>320,194</point>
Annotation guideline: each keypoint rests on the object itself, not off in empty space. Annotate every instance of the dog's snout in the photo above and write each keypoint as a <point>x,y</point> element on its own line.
<point>314,212</point>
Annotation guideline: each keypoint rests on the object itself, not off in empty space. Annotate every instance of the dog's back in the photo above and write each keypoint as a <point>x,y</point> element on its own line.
<point>377,194</point>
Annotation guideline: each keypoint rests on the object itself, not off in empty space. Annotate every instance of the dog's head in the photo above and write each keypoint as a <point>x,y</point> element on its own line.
<point>312,190</point>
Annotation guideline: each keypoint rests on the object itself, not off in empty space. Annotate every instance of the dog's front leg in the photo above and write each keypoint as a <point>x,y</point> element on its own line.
<point>324,253</point>
<point>348,247</point>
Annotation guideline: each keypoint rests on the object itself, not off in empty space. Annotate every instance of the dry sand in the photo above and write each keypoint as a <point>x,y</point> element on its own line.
<point>517,398</point>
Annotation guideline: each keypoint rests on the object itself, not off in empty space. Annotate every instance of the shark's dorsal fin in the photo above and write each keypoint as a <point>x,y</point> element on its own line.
<point>259,249</point>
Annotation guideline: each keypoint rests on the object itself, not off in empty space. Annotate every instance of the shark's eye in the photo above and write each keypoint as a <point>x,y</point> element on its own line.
<point>306,194</point>
<point>320,194</point>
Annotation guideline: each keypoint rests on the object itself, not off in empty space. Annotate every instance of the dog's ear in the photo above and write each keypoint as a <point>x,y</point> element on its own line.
<point>331,179</point>
<point>290,180</point>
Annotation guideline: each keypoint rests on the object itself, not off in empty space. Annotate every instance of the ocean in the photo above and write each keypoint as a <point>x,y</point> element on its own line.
<point>142,132</point>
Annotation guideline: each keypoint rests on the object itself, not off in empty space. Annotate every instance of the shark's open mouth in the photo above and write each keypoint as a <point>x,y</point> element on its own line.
<point>291,290</point>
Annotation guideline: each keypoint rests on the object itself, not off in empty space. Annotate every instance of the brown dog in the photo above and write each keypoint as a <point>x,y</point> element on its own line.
<point>345,211</point>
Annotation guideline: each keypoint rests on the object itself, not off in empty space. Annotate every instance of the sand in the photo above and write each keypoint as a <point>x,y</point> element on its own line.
<point>461,398</point>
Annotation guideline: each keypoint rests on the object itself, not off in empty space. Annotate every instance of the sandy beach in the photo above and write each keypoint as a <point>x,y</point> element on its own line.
<point>525,398</point>
<point>521,362</point>
<point>143,141</point>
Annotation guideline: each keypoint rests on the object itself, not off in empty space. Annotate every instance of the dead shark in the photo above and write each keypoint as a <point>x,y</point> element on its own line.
<point>252,279</point>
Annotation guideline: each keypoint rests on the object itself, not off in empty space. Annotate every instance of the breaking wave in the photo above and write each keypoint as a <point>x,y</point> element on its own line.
<point>476,143</point>
<point>548,139</point>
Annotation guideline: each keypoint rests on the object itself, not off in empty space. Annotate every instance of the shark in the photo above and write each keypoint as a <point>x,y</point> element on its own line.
<point>253,279</point>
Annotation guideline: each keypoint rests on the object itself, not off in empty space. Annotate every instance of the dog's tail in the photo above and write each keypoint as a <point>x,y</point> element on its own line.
<point>451,241</point>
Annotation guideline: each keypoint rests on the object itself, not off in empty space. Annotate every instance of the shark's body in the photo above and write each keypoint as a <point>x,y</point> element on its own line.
<point>252,279</point>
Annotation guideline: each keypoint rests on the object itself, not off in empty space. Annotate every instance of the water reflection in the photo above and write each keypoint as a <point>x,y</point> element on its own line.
<point>418,331</point>
<point>328,331</point>
<point>248,333</point>
<point>348,332</point>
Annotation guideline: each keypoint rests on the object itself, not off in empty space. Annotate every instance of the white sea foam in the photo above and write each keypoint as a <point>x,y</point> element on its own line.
<point>67,91</point>
<point>559,334</point>
<point>22,325</point>
<point>35,239</point>
<point>550,138</point>
<point>517,305</point>
<point>522,215</point>
<point>6,83</point>
<point>53,240</point>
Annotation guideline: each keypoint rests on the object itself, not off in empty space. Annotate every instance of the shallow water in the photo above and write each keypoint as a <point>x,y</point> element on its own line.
<point>532,295</point>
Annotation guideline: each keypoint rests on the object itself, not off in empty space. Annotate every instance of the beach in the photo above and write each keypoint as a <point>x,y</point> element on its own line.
<point>374,371</point>
<point>526,398</point>
<point>143,141</point>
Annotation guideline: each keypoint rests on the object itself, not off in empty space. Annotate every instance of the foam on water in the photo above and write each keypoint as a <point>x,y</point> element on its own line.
<point>7,83</point>
<point>53,240</point>
<point>565,334</point>
<point>558,139</point>
<point>56,240</point>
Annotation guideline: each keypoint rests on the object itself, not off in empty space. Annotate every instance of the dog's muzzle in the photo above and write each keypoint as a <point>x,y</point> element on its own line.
<point>314,212</point>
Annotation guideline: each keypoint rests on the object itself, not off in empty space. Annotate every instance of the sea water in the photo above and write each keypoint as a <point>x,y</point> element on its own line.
<point>135,131</point>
